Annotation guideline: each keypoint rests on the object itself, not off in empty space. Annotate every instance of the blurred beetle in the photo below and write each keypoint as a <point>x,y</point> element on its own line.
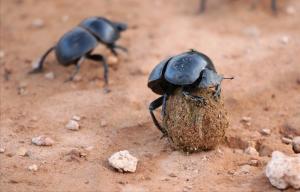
<point>78,44</point>
<point>273,5</point>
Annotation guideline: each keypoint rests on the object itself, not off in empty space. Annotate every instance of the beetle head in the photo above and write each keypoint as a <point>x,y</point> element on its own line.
<point>121,26</point>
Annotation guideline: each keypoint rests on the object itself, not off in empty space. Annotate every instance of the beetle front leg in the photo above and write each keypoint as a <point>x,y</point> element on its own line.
<point>154,105</point>
<point>77,68</point>
<point>198,99</point>
<point>113,48</point>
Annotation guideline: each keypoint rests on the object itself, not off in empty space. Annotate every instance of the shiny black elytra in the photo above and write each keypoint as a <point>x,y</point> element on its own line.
<point>78,44</point>
<point>189,70</point>
<point>273,5</point>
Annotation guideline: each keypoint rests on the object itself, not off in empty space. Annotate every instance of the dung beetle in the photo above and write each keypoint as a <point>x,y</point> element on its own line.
<point>78,44</point>
<point>188,70</point>
<point>273,5</point>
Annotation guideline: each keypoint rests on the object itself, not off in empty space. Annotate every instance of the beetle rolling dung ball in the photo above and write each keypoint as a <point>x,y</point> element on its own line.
<point>192,126</point>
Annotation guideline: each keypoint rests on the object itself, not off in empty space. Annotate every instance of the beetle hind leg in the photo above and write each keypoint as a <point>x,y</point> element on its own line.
<point>40,62</point>
<point>77,68</point>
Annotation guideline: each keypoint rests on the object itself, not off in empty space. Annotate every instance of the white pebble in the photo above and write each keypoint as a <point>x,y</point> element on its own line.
<point>38,23</point>
<point>284,171</point>
<point>265,131</point>
<point>72,125</point>
<point>285,39</point>
<point>2,54</point>
<point>76,118</point>
<point>22,151</point>
<point>290,10</point>
<point>123,161</point>
<point>50,76</point>
<point>65,18</point>
<point>286,140</point>
<point>251,151</point>
<point>2,150</point>
<point>33,167</point>
<point>296,144</point>
<point>103,123</point>
<point>42,140</point>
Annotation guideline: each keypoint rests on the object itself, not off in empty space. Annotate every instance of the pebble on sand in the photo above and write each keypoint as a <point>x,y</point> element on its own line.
<point>42,140</point>
<point>72,125</point>
<point>33,167</point>
<point>296,144</point>
<point>251,151</point>
<point>2,150</point>
<point>22,152</point>
<point>49,76</point>
<point>123,161</point>
<point>38,23</point>
<point>284,171</point>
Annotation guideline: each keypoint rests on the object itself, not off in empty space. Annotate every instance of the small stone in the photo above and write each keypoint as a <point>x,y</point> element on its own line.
<point>22,151</point>
<point>285,39</point>
<point>296,144</point>
<point>2,150</point>
<point>254,162</point>
<point>284,171</point>
<point>251,151</point>
<point>33,167</point>
<point>290,10</point>
<point>77,78</point>
<point>49,76</point>
<point>42,140</point>
<point>245,169</point>
<point>252,31</point>
<point>187,188</point>
<point>2,54</point>
<point>172,175</point>
<point>65,18</point>
<point>265,132</point>
<point>112,60</point>
<point>123,161</point>
<point>72,125</point>
<point>103,123</point>
<point>89,148</point>
<point>286,140</point>
<point>37,23</point>
<point>76,118</point>
<point>246,120</point>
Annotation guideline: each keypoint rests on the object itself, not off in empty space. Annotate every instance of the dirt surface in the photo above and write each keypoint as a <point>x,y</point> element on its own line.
<point>259,49</point>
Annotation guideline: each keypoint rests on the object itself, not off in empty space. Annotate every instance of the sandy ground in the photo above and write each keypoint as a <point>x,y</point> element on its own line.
<point>259,49</point>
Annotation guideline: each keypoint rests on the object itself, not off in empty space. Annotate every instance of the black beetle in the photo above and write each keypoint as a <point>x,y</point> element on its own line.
<point>273,5</point>
<point>188,70</point>
<point>78,44</point>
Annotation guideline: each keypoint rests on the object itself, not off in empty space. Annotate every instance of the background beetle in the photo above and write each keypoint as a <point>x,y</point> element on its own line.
<point>188,70</point>
<point>273,5</point>
<point>78,44</point>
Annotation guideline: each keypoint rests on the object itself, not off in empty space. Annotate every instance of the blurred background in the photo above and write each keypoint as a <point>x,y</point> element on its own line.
<point>244,39</point>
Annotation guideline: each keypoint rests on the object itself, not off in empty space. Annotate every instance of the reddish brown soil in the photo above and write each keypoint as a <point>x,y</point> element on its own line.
<point>266,88</point>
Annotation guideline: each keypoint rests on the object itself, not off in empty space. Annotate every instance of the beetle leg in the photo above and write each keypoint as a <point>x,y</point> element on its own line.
<point>113,48</point>
<point>154,105</point>
<point>100,58</point>
<point>40,62</point>
<point>274,6</point>
<point>195,98</point>
<point>202,5</point>
<point>164,104</point>
<point>77,68</point>
<point>217,93</point>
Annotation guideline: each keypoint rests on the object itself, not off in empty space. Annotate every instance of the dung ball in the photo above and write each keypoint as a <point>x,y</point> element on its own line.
<point>192,126</point>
